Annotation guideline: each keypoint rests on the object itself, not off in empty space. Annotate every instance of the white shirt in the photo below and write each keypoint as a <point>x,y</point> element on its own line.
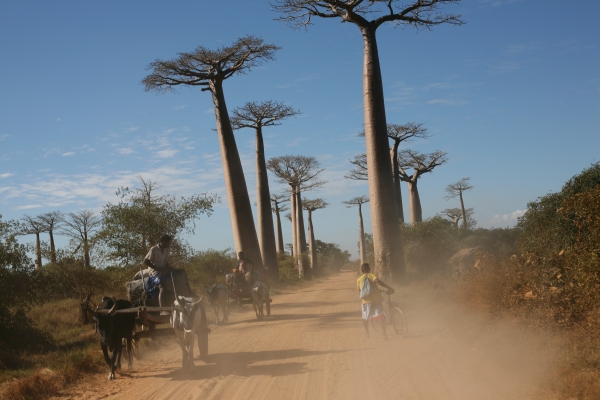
<point>159,257</point>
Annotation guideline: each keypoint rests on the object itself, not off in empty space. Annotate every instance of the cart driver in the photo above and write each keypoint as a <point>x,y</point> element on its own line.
<point>243,270</point>
<point>163,275</point>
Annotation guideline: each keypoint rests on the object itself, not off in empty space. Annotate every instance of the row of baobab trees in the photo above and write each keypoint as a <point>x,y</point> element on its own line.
<point>208,69</point>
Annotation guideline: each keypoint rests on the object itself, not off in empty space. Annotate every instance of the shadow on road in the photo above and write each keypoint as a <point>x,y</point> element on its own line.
<point>241,364</point>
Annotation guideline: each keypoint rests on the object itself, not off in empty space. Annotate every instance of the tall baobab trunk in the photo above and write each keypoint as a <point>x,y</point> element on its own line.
<point>86,251</point>
<point>396,178</point>
<point>301,237</point>
<point>361,234</point>
<point>312,249</point>
<point>38,251</point>
<point>52,247</point>
<point>242,221</point>
<point>416,213</point>
<point>280,248</point>
<point>464,214</point>
<point>389,257</point>
<point>266,235</point>
<point>295,250</point>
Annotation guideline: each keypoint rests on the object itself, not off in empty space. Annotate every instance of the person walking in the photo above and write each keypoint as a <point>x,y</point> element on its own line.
<point>372,300</point>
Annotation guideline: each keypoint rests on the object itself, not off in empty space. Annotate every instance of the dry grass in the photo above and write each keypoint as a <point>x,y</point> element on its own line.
<point>500,288</point>
<point>76,351</point>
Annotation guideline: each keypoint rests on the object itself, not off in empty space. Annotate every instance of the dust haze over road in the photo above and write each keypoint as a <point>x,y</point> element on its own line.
<point>311,348</point>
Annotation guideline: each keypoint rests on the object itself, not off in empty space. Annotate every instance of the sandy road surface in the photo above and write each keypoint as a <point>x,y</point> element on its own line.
<point>311,348</point>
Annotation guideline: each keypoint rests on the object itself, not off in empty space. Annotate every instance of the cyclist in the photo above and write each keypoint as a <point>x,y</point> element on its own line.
<point>372,300</point>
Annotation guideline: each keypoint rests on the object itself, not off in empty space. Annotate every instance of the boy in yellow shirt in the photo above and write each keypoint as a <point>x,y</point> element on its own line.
<point>372,304</point>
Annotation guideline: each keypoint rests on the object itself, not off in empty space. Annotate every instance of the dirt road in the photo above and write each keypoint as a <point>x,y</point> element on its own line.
<point>311,348</point>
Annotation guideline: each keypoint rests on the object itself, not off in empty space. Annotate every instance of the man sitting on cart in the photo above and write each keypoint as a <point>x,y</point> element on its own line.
<point>163,275</point>
<point>242,275</point>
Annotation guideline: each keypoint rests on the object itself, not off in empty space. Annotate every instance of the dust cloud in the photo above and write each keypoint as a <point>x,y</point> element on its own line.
<point>311,348</point>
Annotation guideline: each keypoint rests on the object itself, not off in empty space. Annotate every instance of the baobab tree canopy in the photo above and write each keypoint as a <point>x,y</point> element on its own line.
<point>419,162</point>
<point>301,171</point>
<point>455,189</point>
<point>203,65</point>
<point>419,14</point>
<point>256,115</point>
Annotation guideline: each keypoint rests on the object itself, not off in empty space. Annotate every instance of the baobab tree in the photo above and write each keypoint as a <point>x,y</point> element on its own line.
<point>359,201</point>
<point>398,134</point>
<point>455,214</point>
<point>421,164</point>
<point>33,226</point>
<point>208,69</point>
<point>278,207</point>
<point>301,174</point>
<point>257,116</point>
<point>457,189</point>
<point>310,206</point>
<point>81,227</point>
<point>420,14</point>
<point>360,171</point>
<point>52,220</point>
<point>291,245</point>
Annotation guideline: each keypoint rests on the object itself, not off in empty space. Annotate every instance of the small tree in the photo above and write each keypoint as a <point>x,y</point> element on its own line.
<point>256,116</point>
<point>368,16</point>
<point>421,164</point>
<point>301,174</point>
<point>278,207</point>
<point>311,206</point>
<point>457,189</point>
<point>81,227</point>
<point>52,220</point>
<point>142,215</point>
<point>209,69</point>
<point>455,214</point>
<point>359,201</point>
<point>33,226</point>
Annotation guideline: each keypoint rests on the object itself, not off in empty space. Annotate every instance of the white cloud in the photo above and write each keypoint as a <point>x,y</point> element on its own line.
<point>133,129</point>
<point>181,107</point>
<point>166,153</point>
<point>5,175</point>
<point>508,218</point>
<point>28,207</point>
<point>57,119</point>
<point>448,102</point>
<point>125,150</point>
<point>68,154</point>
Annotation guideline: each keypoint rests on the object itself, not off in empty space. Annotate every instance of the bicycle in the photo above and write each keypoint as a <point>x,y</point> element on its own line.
<point>394,317</point>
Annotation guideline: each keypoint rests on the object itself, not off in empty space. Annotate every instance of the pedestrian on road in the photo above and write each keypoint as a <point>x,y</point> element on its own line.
<point>372,300</point>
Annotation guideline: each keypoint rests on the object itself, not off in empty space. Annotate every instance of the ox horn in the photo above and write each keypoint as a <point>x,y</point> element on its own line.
<point>199,301</point>
<point>113,310</point>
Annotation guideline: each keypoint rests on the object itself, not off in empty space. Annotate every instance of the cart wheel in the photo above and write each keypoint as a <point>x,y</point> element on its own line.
<point>203,336</point>
<point>268,303</point>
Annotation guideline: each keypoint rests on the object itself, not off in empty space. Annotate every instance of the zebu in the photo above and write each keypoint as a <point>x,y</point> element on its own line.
<point>260,296</point>
<point>113,328</point>
<point>218,297</point>
<point>188,320</point>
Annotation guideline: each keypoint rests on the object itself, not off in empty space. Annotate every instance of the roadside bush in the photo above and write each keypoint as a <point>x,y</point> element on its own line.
<point>429,244</point>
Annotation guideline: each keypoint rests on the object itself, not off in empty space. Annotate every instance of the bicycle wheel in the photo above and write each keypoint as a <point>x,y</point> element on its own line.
<point>399,322</point>
<point>376,324</point>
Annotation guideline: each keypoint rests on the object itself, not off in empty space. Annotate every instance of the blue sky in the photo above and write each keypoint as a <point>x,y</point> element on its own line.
<point>513,96</point>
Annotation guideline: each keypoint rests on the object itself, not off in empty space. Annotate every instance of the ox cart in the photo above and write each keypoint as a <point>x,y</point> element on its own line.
<point>186,318</point>
<point>249,289</point>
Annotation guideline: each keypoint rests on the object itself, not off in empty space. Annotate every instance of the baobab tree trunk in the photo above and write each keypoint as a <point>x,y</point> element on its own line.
<point>280,248</point>
<point>301,236</point>
<point>456,222</point>
<point>86,251</point>
<point>52,247</point>
<point>242,221</point>
<point>464,214</point>
<point>38,251</point>
<point>314,263</point>
<point>396,177</point>
<point>361,234</point>
<point>266,234</point>
<point>295,250</point>
<point>416,214</point>
<point>389,257</point>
